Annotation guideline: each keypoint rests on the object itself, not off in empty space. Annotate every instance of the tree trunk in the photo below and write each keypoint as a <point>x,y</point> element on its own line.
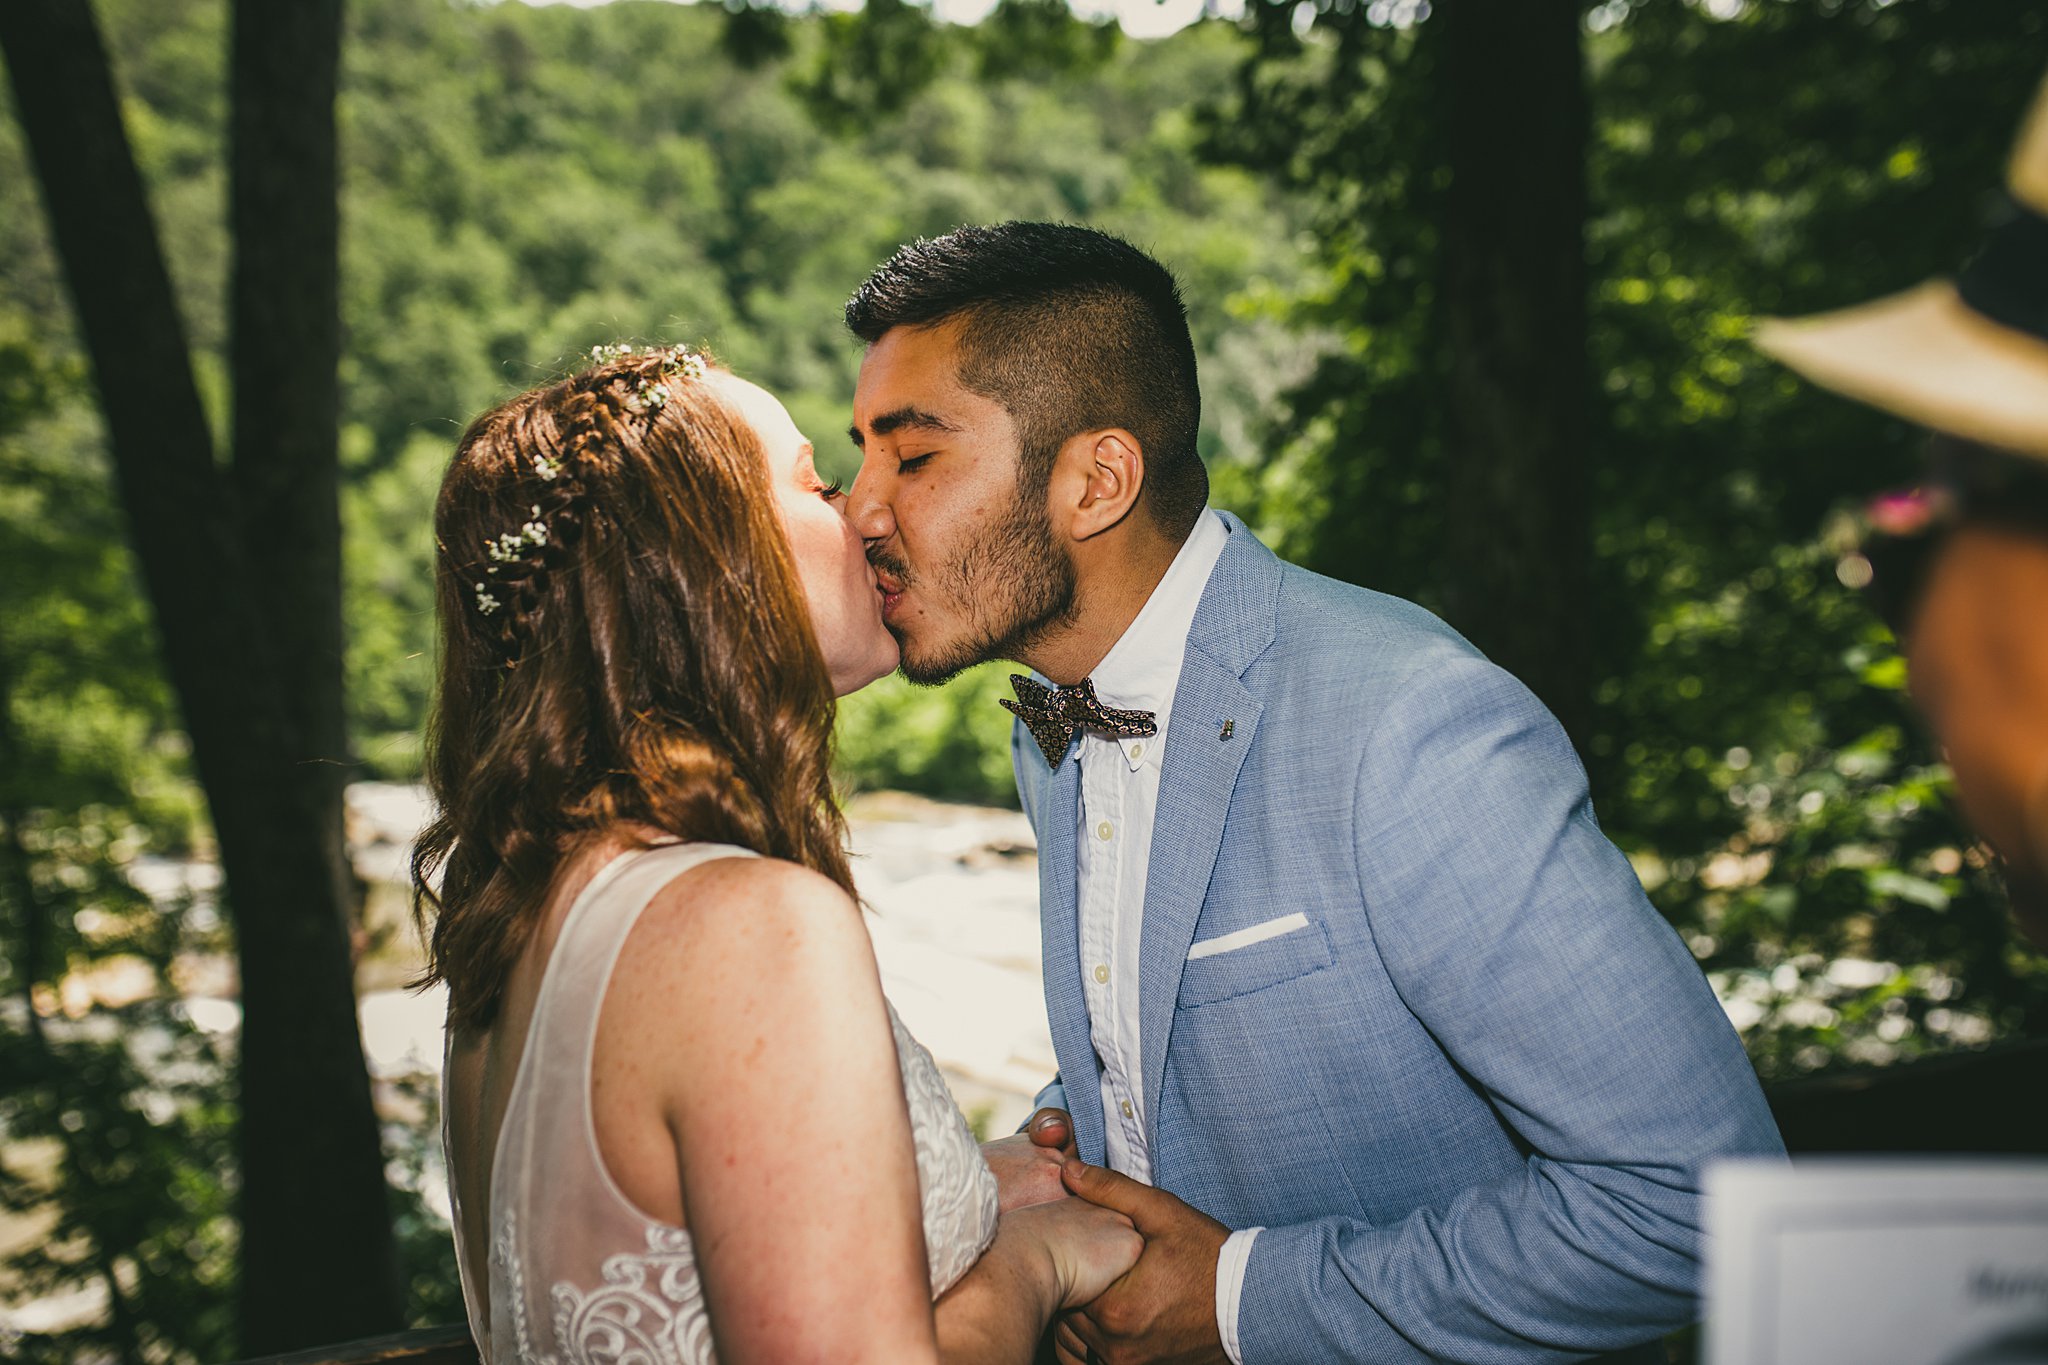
<point>305,1094</point>
<point>242,573</point>
<point>1514,308</point>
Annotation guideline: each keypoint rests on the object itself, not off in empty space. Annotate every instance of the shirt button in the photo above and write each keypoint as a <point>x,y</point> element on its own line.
<point>1137,751</point>
<point>1128,1112</point>
<point>1104,830</point>
<point>1102,971</point>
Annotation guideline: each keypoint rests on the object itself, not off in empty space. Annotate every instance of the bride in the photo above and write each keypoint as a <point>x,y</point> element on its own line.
<point>682,1122</point>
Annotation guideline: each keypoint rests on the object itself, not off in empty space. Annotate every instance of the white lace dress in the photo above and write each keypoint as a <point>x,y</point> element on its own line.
<point>577,1273</point>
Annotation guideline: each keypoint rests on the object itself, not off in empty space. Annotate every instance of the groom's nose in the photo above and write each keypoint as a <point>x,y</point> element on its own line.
<point>868,504</point>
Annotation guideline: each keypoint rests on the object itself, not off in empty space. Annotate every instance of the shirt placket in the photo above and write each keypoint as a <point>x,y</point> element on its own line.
<point>1103,800</point>
<point>1126,916</point>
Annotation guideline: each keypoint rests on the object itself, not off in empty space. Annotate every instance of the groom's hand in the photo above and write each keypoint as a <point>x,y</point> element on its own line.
<point>1027,1164</point>
<point>1163,1311</point>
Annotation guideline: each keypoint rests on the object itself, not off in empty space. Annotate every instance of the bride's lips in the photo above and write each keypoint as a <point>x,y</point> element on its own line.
<point>891,588</point>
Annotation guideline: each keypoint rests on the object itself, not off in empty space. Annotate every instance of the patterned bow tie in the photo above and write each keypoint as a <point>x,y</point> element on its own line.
<point>1053,714</point>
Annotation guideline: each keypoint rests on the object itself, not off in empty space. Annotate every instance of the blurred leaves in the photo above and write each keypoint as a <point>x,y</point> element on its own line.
<point>895,735</point>
<point>521,184</point>
<point>113,1105</point>
<point>1753,749</point>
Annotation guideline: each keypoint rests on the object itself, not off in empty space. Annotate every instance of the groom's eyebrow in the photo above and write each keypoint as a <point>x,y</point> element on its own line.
<point>905,418</point>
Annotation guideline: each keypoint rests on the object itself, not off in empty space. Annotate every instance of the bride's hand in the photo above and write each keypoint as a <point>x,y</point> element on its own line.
<point>1089,1247</point>
<point>1027,1163</point>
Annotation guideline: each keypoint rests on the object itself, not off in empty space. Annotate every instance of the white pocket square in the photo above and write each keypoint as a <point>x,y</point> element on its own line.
<point>1246,937</point>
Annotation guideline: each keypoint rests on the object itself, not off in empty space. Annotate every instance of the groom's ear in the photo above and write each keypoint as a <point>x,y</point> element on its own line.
<point>1096,481</point>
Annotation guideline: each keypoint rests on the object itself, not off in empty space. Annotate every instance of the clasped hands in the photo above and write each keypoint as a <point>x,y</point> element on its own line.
<point>1163,1310</point>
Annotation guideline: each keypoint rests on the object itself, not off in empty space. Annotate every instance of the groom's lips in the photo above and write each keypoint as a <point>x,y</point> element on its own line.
<point>891,588</point>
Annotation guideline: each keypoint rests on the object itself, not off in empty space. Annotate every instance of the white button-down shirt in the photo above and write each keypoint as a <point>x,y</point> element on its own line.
<point>1113,847</point>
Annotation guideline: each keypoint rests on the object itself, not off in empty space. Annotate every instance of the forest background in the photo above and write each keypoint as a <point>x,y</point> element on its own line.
<point>518,184</point>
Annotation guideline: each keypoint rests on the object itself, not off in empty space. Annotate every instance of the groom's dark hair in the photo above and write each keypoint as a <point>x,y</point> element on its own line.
<point>1068,328</point>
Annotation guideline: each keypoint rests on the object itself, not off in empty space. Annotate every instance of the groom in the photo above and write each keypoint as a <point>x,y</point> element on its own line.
<point>1389,1055</point>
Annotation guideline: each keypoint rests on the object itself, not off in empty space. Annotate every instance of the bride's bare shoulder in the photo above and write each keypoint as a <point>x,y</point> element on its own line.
<point>742,873</point>
<point>743,894</point>
<point>736,927</point>
<point>741,982</point>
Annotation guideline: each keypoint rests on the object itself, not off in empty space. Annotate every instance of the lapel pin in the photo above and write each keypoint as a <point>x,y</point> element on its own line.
<point>1229,729</point>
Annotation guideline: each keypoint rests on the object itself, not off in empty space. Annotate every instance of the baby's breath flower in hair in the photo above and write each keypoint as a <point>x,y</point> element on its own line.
<point>514,544</point>
<point>686,362</point>
<point>511,554</point>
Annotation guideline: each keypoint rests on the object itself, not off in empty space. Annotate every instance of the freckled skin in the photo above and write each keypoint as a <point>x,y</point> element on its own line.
<point>1977,657</point>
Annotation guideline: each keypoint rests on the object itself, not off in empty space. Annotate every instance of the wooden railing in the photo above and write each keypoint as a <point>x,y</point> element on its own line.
<point>1975,1102</point>
<point>427,1346</point>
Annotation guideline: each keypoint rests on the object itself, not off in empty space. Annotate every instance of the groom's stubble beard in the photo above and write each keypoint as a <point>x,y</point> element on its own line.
<point>1013,583</point>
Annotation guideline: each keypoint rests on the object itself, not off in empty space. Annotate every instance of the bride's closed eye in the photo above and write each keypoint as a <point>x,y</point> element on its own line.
<point>808,468</point>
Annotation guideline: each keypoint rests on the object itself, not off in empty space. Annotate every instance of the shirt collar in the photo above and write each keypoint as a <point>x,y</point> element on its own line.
<point>1143,667</point>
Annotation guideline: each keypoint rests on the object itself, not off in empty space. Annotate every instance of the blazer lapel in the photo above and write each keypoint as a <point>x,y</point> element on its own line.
<point>1060,942</point>
<point>1195,785</point>
<point>1211,729</point>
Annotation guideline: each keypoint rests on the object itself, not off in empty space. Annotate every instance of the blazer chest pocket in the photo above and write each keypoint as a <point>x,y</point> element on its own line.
<point>1251,959</point>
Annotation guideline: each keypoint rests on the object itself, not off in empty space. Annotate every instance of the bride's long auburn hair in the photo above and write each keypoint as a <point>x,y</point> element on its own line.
<point>647,658</point>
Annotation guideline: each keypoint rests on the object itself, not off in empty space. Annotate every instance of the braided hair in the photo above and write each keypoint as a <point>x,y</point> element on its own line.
<point>624,643</point>
<point>512,575</point>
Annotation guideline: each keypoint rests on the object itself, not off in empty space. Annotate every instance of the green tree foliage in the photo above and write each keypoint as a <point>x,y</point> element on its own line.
<point>594,175</point>
<point>1751,746</point>
<point>115,1119</point>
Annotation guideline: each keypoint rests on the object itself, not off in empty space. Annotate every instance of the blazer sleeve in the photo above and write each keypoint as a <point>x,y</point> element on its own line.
<point>1520,937</point>
<point>1054,1096</point>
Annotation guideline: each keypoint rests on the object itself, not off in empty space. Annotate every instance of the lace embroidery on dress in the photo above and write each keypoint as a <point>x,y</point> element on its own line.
<point>630,1321</point>
<point>622,1289</point>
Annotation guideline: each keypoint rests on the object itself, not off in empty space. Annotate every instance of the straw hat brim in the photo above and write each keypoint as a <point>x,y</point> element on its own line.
<point>1926,356</point>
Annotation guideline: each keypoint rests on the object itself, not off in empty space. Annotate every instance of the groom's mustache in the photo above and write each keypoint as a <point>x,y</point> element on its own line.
<point>889,564</point>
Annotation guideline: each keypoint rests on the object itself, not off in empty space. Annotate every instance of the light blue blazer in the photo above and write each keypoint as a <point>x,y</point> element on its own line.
<point>1470,1098</point>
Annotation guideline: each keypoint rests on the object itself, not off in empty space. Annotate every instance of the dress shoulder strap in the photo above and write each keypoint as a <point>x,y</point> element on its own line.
<point>548,1134</point>
<point>556,1214</point>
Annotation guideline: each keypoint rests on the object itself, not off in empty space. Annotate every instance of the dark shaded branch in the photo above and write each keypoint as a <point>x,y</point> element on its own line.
<point>286,348</point>
<point>101,226</point>
<point>247,603</point>
<point>1514,302</point>
<point>306,1103</point>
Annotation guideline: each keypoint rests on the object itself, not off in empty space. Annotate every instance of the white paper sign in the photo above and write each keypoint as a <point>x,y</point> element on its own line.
<point>1852,1261</point>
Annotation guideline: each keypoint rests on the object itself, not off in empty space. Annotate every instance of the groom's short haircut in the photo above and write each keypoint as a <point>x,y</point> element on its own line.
<point>1069,329</point>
